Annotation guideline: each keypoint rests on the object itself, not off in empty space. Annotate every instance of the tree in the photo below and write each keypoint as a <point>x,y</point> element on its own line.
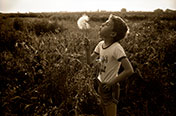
<point>158,11</point>
<point>169,11</point>
<point>123,10</point>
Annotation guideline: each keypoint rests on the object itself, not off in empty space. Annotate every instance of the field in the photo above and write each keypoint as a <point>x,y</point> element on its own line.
<point>43,68</point>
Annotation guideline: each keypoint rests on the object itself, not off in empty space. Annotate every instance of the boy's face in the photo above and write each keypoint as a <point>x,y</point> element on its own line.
<point>106,29</point>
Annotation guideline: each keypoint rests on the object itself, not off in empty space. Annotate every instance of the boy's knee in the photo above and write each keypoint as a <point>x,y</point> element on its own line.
<point>111,109</point>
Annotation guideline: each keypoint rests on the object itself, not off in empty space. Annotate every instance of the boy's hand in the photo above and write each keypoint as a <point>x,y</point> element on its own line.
<point>106,87</point>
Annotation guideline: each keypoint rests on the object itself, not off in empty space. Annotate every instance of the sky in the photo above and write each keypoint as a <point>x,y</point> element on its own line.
<point>25,6</point>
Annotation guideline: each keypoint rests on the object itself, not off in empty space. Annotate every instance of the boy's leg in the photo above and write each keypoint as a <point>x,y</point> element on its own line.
<point>109,106</point>
<point>117,91</point>
<point>111,109</point>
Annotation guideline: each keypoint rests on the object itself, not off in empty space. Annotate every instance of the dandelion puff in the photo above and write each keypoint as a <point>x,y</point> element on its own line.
<point>83,22</point>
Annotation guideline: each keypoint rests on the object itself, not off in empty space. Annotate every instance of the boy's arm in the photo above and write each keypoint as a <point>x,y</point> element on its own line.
<point>93,57</point>
<point>89,57</point>
<point>128,71</point>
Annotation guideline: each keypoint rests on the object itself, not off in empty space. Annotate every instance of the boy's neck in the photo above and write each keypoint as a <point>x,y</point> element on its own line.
<point>108,42</point>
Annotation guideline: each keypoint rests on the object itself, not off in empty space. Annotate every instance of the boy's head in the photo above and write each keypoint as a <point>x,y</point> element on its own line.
<point>114,27</point>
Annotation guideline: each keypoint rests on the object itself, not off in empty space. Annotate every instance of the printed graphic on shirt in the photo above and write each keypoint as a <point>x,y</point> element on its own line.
<point>103,62</point>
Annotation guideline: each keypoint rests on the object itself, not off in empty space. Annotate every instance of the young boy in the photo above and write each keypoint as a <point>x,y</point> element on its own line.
<point>111,56</point>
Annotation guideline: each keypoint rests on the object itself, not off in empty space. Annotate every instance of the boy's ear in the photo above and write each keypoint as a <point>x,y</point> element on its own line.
<point>113,34</point>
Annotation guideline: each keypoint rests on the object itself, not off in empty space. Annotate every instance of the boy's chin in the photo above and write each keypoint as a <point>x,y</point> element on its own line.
<point>101,38</point>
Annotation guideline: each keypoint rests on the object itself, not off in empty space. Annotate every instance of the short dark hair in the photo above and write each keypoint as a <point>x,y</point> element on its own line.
<point>120,27</point>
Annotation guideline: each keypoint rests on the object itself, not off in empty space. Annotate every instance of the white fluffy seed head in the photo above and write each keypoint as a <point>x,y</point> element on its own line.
<point>83,22</point>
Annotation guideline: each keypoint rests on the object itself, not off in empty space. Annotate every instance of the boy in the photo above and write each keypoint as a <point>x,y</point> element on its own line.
<point>111,56</point>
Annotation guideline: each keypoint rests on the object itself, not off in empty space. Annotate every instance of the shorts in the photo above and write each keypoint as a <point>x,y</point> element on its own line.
<point>108,97</point>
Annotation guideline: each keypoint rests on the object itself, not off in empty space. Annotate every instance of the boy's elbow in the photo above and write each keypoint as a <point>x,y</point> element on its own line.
<point>130,71</point>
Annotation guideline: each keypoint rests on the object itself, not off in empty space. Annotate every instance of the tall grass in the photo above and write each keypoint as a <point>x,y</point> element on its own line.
<point>43,69</point>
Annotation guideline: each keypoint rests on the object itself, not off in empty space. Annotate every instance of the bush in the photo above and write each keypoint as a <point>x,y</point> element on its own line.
<point>154,75</point>
<point>45,26</point>
<point>43,74</point>
<point>99,19</point>
<point>38,26</point>
<point>135,17</point>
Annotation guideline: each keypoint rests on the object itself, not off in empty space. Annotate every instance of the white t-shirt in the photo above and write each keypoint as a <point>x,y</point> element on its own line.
<point>109,60</point>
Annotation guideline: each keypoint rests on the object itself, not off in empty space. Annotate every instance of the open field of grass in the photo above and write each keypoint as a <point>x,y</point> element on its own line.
<point>43,69</point>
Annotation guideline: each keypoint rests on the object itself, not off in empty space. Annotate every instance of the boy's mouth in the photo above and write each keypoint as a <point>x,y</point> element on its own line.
<point>99,30</point>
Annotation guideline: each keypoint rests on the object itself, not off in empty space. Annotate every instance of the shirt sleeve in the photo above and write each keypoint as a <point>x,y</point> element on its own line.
<point>97,48</point>
<point>119,53</point>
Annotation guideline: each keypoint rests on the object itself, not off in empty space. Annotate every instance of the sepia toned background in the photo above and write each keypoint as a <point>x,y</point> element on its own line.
<point>43,68</point>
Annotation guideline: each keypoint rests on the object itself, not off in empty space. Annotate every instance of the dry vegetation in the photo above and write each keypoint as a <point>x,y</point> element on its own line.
<point>43,69</point>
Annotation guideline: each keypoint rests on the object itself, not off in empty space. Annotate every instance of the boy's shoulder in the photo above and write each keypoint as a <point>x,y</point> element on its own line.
<point>117,44</point>
<point>100,43</point>
<point>119,47</point>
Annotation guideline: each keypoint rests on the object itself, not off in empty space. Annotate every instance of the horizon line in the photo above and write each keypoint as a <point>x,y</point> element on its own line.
<point>98,10</point>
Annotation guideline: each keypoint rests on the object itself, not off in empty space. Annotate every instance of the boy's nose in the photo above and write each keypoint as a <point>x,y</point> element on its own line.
<point>102,26</point>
